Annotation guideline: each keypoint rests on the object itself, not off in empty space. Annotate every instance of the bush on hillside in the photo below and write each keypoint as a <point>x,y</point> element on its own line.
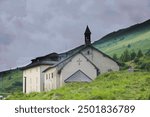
<point>148,53</point>
<point>139,54</point>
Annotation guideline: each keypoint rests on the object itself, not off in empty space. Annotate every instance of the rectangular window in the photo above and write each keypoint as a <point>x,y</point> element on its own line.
<point>49,76</point>
<point>52,75</point>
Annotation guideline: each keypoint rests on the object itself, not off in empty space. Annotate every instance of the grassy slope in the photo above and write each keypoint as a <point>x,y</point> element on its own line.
<point>137,36</point>
<point>115,85</point>
<point>12,81</point>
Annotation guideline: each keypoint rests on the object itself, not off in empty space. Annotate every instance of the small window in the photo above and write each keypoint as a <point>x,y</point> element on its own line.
<point>52,75</point>
<point>49,76</point>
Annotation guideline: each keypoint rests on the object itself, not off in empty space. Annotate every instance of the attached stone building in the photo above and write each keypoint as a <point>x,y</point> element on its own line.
<point>82,64</point>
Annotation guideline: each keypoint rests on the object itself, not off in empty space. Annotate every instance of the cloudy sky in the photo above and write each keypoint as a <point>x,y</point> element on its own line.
<point>32,28</point>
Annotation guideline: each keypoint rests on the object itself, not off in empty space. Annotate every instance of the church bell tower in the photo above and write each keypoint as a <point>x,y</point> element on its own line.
<point>87,35</point>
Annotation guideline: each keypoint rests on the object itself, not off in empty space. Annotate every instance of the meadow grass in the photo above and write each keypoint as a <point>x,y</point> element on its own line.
<point>122,85</point>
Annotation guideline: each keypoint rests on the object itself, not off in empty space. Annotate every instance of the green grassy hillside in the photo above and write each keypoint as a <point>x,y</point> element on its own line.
<point>135,37</point>
<point>10,81</point>
<point>114,85</point>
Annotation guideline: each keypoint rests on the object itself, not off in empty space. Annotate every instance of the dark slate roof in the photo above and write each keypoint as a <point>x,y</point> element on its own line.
<point>78,76</point>
<point>52,58</point>
<point>49,59</point>
<point>71,52</point>
<point>87,31</point>
<point>34,64</point>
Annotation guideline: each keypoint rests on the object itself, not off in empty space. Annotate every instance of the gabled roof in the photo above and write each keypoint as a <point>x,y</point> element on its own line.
<point>78,76</point>
<point>72,51</point>
<point>70,57</point>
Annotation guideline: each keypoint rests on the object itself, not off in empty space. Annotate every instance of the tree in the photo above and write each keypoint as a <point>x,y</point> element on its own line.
<point>129,46</point>
<point>126,56</point>
<point>148,52</point>
<point>139,54</point>
<point>121,58</point>
<point>132,55</point>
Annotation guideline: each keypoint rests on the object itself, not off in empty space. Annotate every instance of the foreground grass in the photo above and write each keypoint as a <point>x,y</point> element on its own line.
<point>115,85</point>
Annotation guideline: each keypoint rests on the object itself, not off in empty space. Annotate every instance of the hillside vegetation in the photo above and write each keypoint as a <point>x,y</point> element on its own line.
<point>142,63</point>
<point>10,81</point>
<point>135,37</point>
<point>114,85</point>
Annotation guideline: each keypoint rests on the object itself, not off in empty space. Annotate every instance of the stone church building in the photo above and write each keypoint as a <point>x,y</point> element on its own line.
<point>82,64</point>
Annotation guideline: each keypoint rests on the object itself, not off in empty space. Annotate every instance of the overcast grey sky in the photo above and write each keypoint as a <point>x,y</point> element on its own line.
<point>32,28</point>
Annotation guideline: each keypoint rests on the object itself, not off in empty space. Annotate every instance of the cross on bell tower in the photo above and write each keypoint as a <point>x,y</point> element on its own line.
<point>87,35</point>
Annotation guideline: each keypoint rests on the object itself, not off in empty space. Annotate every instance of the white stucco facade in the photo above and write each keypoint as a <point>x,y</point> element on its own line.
<point>104,63</point>
<point>79,62</point>
<point>51,79</point>
<point>33,79</point>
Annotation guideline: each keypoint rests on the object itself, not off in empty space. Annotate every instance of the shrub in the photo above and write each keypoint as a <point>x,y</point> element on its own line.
<point>136,60</point>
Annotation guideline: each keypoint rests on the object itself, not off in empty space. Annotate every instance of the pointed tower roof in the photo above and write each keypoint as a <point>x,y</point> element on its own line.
<point>87,31</point>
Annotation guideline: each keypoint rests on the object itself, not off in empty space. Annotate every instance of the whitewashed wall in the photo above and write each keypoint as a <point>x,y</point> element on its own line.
<point>50,79</point>
<point>102,62</point>
<point>34,79</point>
<point>73,66</point>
